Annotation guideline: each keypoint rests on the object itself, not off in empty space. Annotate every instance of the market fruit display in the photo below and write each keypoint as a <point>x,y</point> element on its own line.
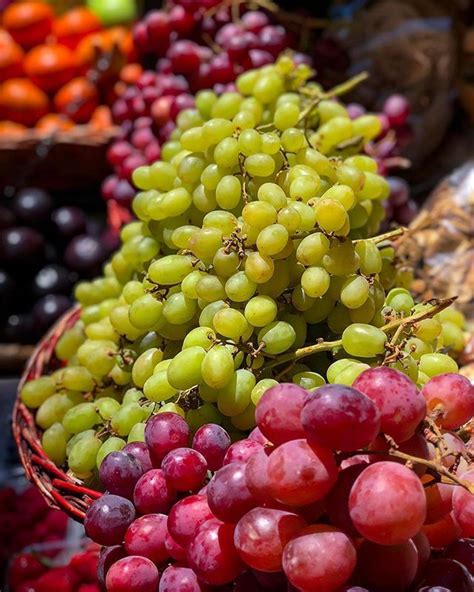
<point>253,260</point>
<point>49,65</point>
<point>329,480</point>
<point>45,248</point>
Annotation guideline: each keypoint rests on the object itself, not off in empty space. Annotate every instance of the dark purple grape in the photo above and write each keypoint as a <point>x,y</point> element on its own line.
<point>462,551</point>
<point>19,328</point>
<point>32,205</point>
<point>108,518</point>
<point>140,451</point>
<point>7,218</point>
<point>434,589</point>
<point>448,573</point>
<point>49,308</point>
<point>119,473</point>
<point>53,279</point>
<point>7,292</point>
<point>107,557</point>
<point>84,254</point>
<point>21,245</point>
<point>69,221</point>
<point>399,191</point>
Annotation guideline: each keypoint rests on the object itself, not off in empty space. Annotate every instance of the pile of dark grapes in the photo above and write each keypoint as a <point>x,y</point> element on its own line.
<point>44,249</point>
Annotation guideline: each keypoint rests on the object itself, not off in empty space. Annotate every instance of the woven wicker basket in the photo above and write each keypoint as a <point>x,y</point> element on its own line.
<point>60,489</point>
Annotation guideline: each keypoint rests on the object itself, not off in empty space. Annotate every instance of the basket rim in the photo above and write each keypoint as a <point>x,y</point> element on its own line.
<point>83,135</point>
<point>58,488</point>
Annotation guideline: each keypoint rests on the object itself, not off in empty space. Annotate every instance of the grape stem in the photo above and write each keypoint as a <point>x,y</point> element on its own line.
<point>302,352</point>
<point>382,237</point>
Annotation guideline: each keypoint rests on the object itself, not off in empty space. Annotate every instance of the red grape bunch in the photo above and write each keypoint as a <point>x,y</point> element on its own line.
<point>362,488</point>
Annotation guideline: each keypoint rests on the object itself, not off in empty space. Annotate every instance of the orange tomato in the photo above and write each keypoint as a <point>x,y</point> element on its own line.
<point>8,128</point>
<point>74,25</point>
<point>22,102</point>
<point>50,66</point>
<point>103,42</point>
<point>101,118</point>
<point>54,122</point>
<point>11,56</point>
<point>29,23</point>
<point>130,73</point>
<point>77,99</point>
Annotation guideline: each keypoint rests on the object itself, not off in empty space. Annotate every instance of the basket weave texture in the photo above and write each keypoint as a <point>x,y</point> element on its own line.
<point>60,489</point>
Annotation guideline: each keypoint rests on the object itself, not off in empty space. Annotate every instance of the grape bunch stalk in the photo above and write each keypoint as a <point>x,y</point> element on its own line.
<point>338,489</point>
<point>255,259</point>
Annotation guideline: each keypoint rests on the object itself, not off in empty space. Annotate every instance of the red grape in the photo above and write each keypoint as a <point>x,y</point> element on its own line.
<point>337,501</point>
<point>140,451</point>
<point>228,496</point>
<point>179,579</point>
<point>153,493</point>
<point>185,469</point>
<point>397,109</point>
<point>146,537</point>
<point>451,397</point>
<point>256,476</point>
<point>212,442</point>
<point>241,451</point>
<point>186,516</point>
<point>165,432</point>
<point>132,574</point>
<point>119,473</point>
<point>278,413</point>
<point>108,518</point>
<point>463,505</point>
<point>443,532</point>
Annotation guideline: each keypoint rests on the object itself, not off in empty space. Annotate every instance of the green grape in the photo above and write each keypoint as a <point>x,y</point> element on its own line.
<point>278,337</point>
<point>204,414</point>
<point>330,214</point>
<point>364,313</point>
<point>77,438</point>
<point>348,375</point>
<point>157,387</point>
<point>369,257</point>
<point>342,194</point>
<point>80,418</point>
<point>53,410</point>
<point>270,143</point>
<point>428,329</point>
<point>259,214</point>
<point>205,243</point>
<point>260,311</point>
<point>230,323</point>
<point>337,367</point>
<point>355,291</point>
<point>226,153</point>
<point>416,347</point>
<point>126,417</point>
<point>97,356</point>
<point>400,300</point>
<point>312,248</point>
<point>69,342</point>
<point>162,175</point>
<point>259,165</point>
<point>205,99</point>
<point>83,456</point>
<point>170,270</point>
<point>178,309</point>
<point>341,259</point>
<point>137,433</point>
<point>120,318</point>
<point>226,263</point>
<point>234,398</point>
<point>351,176</point>
<point>339,318</point>
<point>363,341</point>
<point>260,388</point>
<point>77,378</point>
<point>239,287</point>
<point>375,187</point>
<point>328,109</point>
<point>106,407</point>
<point>228,192</point>
<point>224,221</point>
<point>245,421</point>
<point>272,239</point>
<point>436,363</point>
<point>286,116</point>
<point>315,281</point>
<point>200,336</point>
<point>272,194</point>
<point>54,441</point>
<point>290,219</point>
<point>408,365</point>
<point>36,391</point>
<point>308,380</point>
<point>102,330</point>
<point>210,288</point>
<point>112,444</point>
<point>452,336</point>
<point>172,408</point>
<point>217,367</point>
<point>144,365</point>
<point>452,315</point>
<point>181,236</point>
<point>190,282</point>
<point>184,371</point>
<point>293,139</point>
<point>259,268</point>
<point>206,317</point>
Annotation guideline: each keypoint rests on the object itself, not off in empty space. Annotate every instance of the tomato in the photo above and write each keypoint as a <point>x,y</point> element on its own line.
<point>22,102</point>
<point>29,23</point>
<point>54,122</point>
<point>130,73</point>
<point>74,25</point>
<point>104,42</point>
<point>77,99</point>
<point>101,118</point>
<point>11,56</point>
<point>8,128</point>
<point>50,66</point>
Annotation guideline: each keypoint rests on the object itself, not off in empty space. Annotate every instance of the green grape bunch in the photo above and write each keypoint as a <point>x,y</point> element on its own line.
<point>254,258</point>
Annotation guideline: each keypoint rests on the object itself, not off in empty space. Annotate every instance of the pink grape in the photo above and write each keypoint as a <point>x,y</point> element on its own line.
<point>387,503</point>
<point>108,518</point>
<point>397,109</point>
<point>388,568</point>
<point>340,417</point>
<point>140,451</point>
<point>256,476</point>
<point>300,473</point>
<point>278,413</point>
<point>212,554</point>
<point>175,550</point>
<point>439,501</point>
<point>153,493</point>
<point>401,406</point>
<point>451,397</point>
<point>320,558</point>
<point>119,473</point>
<point>337,501</point>
<point>212,442</point>
<point>257,435</point>
<point>179,579</point>
<point>107,557</point>
<point>241,451</point>
<point>184,468</point>
<point>146,537</point>
<point>132,574</point>
<point>186,516</point>
<point>228,496</point>
<point>463,505</point>
<point>443,532</point>
<point>165,432</point>
<point>261,535</point>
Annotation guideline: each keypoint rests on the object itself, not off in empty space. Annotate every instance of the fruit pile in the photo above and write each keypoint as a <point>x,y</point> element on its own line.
<point>25,519</point>
<point>253,260</point>
<point>337,487</point>
<point>30,572</point>
<point>50,72</point>
<point>44,250</point>
<point>198,49</point>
